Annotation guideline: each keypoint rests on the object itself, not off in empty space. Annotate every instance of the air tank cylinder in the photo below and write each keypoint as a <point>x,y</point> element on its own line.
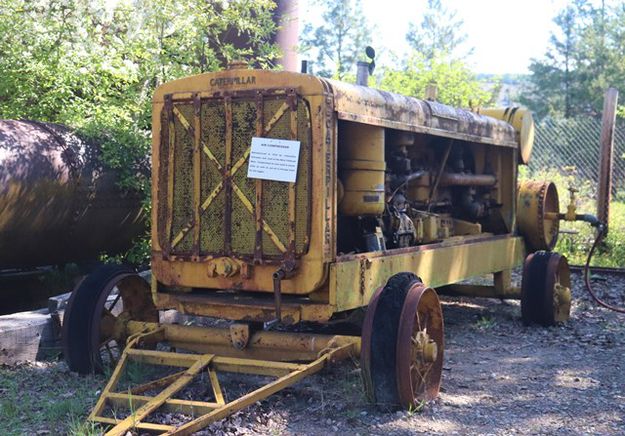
<point>58,203</point>
<point>523,123</point>
<point>361,169</point>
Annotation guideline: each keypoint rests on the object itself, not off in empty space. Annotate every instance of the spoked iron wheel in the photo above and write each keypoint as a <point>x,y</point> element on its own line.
<point>402,343</point>
<point>545,289</point>
<point>420,344</point>
<point>94,321</point>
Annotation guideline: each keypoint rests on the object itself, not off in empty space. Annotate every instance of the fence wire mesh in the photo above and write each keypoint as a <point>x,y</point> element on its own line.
<point>566,152</point>
<point>571,147</point>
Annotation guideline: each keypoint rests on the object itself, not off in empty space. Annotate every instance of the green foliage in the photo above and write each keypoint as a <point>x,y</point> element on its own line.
<point>339,40</point>
<point>457,85</point>
<point>584,57</point>
<point>434,59</point>
<point>439,32</point>
<point>485,322</point>
<point>94,64</point>
<point>60,405</point>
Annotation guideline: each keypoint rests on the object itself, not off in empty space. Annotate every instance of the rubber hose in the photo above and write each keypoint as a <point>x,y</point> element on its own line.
<point>599,301</point>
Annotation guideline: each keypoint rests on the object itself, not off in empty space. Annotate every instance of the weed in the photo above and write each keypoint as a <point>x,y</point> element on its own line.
<point>415,408</point>
<point>485,322</point>
<point>83,428</point>
<point>8,410</point>
<point>62,400</point>
<point>60,410</point>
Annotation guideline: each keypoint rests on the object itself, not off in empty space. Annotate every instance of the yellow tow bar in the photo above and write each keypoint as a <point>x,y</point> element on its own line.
<point>139,406</point>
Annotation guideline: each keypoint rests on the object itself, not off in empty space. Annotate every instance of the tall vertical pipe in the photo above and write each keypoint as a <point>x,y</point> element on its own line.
<point>606,152</point>
<point>286,17</point>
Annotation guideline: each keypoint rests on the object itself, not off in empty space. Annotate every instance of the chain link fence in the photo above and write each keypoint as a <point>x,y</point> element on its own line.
<point>566,152</point>
<point>571,147</point>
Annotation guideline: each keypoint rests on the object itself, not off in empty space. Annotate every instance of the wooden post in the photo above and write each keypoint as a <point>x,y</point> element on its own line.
<point>606,151</point>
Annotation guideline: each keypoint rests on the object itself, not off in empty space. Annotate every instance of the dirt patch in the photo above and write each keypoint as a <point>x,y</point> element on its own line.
<point>499,377</point>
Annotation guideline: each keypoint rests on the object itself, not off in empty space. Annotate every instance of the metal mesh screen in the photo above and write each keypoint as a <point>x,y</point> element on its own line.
<point>213,134</point>
<point>243,223</point>
<point>183,176</point>
<point>214,201</point>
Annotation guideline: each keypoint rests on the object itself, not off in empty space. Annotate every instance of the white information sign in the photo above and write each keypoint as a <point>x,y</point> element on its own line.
<point>273,159</point>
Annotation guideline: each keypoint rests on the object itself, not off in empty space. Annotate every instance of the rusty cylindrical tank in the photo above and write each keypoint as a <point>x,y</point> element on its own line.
<point>538,210</point>
<point>57,203</point>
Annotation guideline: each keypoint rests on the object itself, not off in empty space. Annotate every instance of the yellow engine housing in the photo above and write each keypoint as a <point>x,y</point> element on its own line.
<point>217,232</point>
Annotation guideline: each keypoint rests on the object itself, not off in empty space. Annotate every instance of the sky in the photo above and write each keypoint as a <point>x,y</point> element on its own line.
<point>504,34</point>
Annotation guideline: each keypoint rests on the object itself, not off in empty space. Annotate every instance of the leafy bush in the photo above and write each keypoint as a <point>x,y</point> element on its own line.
<point>456,84</point>
<point>94,64</point>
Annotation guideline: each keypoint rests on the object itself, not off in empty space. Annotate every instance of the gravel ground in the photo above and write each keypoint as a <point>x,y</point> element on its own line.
<point>499,377</point>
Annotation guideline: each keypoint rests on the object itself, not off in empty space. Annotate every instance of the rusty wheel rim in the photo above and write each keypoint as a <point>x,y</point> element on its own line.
<point>420,347</point>
<point>549,205</point>
<point>545,289</point>
<point>124,298</point>
<point>558,289</point>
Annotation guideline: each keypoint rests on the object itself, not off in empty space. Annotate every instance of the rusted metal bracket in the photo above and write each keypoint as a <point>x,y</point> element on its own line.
<point>285,271</point>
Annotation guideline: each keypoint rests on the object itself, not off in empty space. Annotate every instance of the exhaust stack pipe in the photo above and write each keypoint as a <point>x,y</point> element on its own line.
<point>362,73</point>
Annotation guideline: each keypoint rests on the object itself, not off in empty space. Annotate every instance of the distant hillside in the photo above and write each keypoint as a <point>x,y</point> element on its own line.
<point>510,86</point>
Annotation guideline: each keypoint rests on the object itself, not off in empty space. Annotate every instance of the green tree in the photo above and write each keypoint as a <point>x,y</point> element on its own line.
<point>584,57</point>
<point>457,85</point>
<point>439,32</point>
<point>339,40</point>
<point>94,67</point>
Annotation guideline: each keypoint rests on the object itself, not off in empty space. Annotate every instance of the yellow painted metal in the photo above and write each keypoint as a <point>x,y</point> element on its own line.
<point>368,112</point>
<point>538,214</point>
<point>133,340</point>
<point>571,208</point>
<point>252,397</point>
<point>197,172</point>
<point>155,384</point>
<point>502,281</point>
<point>258,188</point>
<point>363,187</point>
<point>215,229</point>
<point>187,407</point>
<point>237,307</point>
<point>361,169</point>
<point>219,397</point>
<point>523,123</point>
<point>276,346</point>
<point>484,291</point>
<point>239,335</point>
<point>170,164</point>
<point>353,279</point>
<point>139,426</point>
<point>323,349</point>
<point>312,267</point>
<point>154,403</point>
<point>372,106</point>
<point>220,185</point>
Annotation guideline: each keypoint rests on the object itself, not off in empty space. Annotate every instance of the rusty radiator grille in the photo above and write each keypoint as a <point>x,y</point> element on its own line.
<point>205,147</point>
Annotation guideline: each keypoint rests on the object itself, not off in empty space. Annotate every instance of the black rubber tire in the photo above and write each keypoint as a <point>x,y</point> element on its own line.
<point>382,366</point>
<point>78,318</point>
<point>537,293</point>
